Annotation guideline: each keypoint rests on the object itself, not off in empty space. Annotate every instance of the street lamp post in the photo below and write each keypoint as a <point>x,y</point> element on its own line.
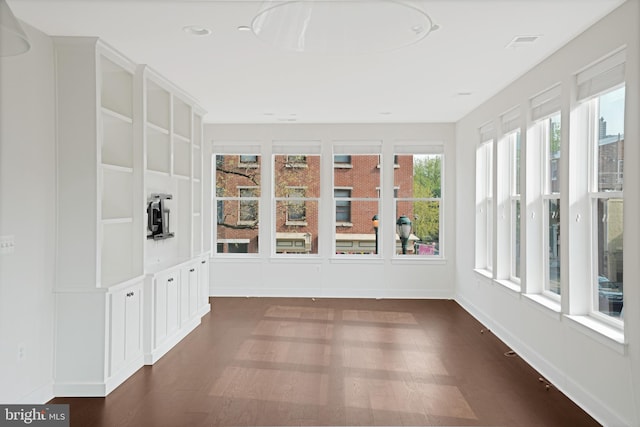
<point>404,231</point>
<point>375,228</point>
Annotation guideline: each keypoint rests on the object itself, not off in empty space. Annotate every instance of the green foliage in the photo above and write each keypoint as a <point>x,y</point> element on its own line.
<point>427,184</point>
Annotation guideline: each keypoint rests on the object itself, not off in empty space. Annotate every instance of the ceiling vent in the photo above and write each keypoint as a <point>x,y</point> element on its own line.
<point>522,41</point>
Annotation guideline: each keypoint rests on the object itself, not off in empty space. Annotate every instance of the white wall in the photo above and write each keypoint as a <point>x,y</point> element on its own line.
<point>323,276</point>
<point>27,211</point>
<point>600,375</point>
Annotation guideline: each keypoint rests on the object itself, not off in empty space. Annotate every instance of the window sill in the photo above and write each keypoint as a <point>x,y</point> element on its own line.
<point>344,224</point>
<point>342,166</point>
<point>545,304</point>
<point>484,273</point>
<point>248,165</point>
<point>417,259</point>
<point>296,223</point>
<point>509,285</point>
<point>600,332</point>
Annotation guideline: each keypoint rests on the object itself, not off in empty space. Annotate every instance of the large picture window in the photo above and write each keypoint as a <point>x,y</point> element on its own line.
<point>551,131</point>
<point>515,204</point>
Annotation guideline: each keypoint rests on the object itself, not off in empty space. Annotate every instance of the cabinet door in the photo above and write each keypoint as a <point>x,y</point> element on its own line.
<point>117,331</point>
<point>125,337</point>
<point>193,290</point>
<point>203,283</point>
<point>173,319</point>
<point>161,288</point>
<point>133,323</point>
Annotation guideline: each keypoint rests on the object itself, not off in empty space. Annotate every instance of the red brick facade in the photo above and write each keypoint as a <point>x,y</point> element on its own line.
<point>299,176</point>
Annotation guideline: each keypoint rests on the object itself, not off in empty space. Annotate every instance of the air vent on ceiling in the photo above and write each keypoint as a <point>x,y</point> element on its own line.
<point>522,41</point>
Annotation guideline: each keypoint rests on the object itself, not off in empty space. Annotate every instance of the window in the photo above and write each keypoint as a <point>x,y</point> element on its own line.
<point>551,203</point>
<point>484,198</point>
<point>296,210</point>
<point>237,201</point>
<point>343,207</point>
<point>249,161</point>
<point>296,161</point>
<point>606,194</point>
<point>248,205</point>
<point>296,191</point>
<point>356,200</point>
<point>419,200</point>
<point>515,205</point>
<point>341,160</point>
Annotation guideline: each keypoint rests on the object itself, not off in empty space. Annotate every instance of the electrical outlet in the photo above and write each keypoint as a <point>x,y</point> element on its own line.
<point>21,352</point>
<point>7,244</point>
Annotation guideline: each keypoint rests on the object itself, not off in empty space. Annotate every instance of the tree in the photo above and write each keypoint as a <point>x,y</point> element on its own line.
<point>426,184</point>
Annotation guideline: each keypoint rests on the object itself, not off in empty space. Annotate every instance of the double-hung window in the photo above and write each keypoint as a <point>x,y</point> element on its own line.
<point>237,201</point>
<point>356,198</point>
<point>296,197</point>
<point>511,129</point>
<point>545,111</point>
<point>602,92</point>
<point>484,198</point>
<point>419,180</point>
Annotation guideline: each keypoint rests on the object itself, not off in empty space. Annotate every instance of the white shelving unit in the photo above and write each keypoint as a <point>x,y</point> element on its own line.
<point>177,295</point>
<point>100,269</point>
<point>124,133</point>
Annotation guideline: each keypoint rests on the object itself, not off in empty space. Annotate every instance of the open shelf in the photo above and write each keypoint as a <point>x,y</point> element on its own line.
<point>181,118</point>
<point>117,140</point>
<point>117,88</point>
<point>158,106</point>
<point>117,193</point>
<point>181,157</point>
<point>158,150</point>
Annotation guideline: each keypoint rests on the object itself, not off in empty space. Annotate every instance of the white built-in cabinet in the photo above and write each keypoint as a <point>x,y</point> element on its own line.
<point>123,133</point>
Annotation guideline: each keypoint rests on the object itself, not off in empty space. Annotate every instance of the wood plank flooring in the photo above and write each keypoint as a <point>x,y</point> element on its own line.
<point>333,362</point>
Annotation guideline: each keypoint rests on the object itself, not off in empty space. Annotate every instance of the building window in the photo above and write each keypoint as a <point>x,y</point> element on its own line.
<point>419,199</point>
<point>296,161</point>
<point>248,160</point>
<point>341,160</point>
<point>248,205</point>
<point>343,207</point>
<point>296,191</point>
<point>237,201</point>
<point>296,208</point>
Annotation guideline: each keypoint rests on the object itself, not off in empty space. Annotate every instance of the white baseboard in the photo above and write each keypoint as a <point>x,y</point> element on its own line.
<point>549,371</point>
<point>170,342</point>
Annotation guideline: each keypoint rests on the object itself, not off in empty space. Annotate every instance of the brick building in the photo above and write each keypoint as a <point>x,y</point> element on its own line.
<point>296,188</point>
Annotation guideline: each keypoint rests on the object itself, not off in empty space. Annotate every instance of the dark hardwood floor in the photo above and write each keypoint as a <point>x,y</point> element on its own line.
<point>339,362</point>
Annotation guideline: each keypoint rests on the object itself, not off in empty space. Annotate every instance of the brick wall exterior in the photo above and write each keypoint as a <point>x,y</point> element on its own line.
<point>362,176</point>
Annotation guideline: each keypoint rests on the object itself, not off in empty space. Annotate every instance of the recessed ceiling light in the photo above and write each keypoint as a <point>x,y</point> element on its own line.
<point>244,28</point>
<point>464,93</point>
<point>196,30</point>
<point>385,113</point>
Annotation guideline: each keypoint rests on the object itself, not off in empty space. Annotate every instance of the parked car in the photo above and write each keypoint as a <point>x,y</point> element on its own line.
<point>610,297</point>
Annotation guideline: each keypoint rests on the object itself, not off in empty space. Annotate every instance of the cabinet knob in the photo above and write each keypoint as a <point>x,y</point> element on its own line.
<point>192,270</point>
<point>130,294</point>
<point>203,261</point>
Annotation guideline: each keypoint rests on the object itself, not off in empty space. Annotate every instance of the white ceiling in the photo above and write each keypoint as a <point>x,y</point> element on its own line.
<point>238,78</point>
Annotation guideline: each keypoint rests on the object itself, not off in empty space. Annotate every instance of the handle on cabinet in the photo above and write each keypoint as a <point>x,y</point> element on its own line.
<point>192,270</point>
<point>170,279</point>
<point>203,261</point>
<point>130,294</point>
